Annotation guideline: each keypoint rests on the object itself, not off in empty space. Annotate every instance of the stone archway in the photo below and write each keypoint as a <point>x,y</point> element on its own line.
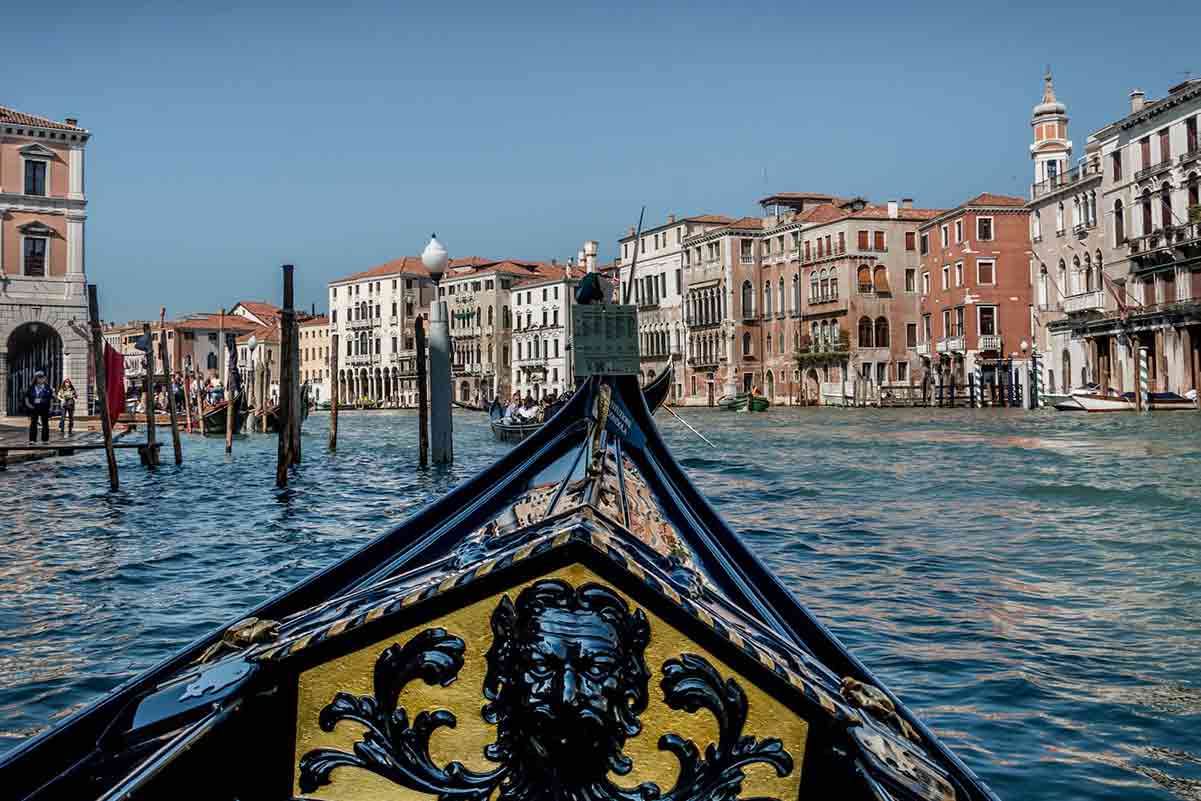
<point>31,347</point>
<point>771,386</point>
<point>813,387</point>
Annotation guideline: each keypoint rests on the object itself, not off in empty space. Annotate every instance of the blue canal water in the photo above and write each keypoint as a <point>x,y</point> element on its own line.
<point>1029,583</point>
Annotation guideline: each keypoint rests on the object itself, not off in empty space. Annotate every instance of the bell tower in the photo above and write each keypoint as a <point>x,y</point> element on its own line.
<point>1051,149</point>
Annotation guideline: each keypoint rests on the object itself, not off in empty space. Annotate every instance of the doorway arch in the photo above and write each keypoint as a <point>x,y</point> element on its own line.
<point>32,346</point>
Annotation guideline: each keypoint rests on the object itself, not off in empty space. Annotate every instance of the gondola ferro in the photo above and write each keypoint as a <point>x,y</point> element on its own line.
<point>576,623</point>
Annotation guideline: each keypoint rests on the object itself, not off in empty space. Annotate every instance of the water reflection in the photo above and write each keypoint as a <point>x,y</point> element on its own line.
<point>1028,583</point>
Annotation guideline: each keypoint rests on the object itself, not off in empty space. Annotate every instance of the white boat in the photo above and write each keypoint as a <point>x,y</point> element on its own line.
<point>1113,402</point>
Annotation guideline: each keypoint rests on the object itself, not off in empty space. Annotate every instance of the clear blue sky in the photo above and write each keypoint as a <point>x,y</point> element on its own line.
<point>231,139</point>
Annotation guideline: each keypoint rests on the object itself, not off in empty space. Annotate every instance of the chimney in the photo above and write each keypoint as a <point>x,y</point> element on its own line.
<point>1138,99</point>
<point>906,202</point>
<point>892,210</point>
<point>633,230</point>
<point>671,218</point>
<point>554,262</point>
<point>74,123</point>
<point>590,255</point>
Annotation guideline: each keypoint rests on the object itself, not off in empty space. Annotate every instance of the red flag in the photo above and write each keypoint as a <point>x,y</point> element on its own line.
<point>114,386</point>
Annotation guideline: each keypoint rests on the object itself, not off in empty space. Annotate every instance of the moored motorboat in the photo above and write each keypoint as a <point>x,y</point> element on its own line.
<point>563,611</point>
<point>1125,402</point>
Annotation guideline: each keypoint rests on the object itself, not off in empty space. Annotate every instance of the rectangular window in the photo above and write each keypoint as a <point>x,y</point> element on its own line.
<point>958,321</point>
<point>946,276</point>
<point>984,229</point>
<point>1190,135</point>
<point>879,241</point>
<point>863,240</point>
<point>746,251</point>
<point>986,272</point>
<point>988,320</point>
<point>679,282</point>
<point>944,236</point>
<point>1145,149</point>
<point>959,230</point>
<point>926,335</point>
<point>946,323</point>
<point>925,283</point>
<point>903,367</point>
<point>35,177</point>
<point>807,250</point>
<point>959,274</point>
<point>910,335</point>
<point>842,241</point>
<point>910,240</point>
<point>911,280</point>
<point>925,244</point>
<point>35,255</point>
<point>1165,146</point>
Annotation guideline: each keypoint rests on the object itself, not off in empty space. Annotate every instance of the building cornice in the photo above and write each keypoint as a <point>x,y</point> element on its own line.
<point>1158,107</point>
<point>956,212</point>
<point>36,204</point>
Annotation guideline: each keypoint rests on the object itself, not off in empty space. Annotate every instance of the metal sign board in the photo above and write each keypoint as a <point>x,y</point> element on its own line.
<point>604,339</point>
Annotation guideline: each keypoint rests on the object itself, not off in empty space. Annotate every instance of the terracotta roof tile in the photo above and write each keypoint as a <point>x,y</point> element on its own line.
<point>710,218</point>
<point>989,199</point>
<point>263,333</point>
<point>13,117</point>
<point>823,214</point>
<point>212,322</point>
<point>405,265</point>
<point>320,319</point>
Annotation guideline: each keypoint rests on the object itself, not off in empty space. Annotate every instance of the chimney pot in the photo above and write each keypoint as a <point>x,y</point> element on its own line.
<point>671,218</point>
<point>71,121</point>
<point>633,230</point>
<point>906,202</point>
<point>1138,99</point>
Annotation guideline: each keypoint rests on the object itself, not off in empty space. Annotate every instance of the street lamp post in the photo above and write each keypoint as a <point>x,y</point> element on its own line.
<point>435,259</point>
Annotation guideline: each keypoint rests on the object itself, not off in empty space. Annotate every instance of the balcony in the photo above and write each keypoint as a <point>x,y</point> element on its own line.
<point>1192,155</point>
<point>1086,302</point>
<point>1177,236</point>
<point>1066,179</point>
<point>1147,173</point>
<point>990,342</point>
<point>922,349</point>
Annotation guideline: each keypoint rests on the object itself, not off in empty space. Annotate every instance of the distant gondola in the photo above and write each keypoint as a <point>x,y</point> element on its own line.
<point>469,407</point>
<point>214,417</point>
<point>564,611</point>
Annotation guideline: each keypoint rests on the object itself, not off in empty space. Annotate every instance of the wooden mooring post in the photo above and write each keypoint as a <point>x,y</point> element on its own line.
<point>150,455</point>
<point>165,354</point>
<point>333,394</point>
<point>295,409</point>
<point>101,370</point>
<point>284,458</point>
<point>423,406</point>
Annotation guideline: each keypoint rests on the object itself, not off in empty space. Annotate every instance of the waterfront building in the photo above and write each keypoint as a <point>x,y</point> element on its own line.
<point>857,292</point>
<point>43,209</point>
<point>314,357</point>
<point>1150,163</point>
<point>659,289</point>
<point>1067,236</point>
<point>542,331</point>
<point>976,289</point>
<point>372,314</point>
<point>478,294</point>
<point>266,352</point>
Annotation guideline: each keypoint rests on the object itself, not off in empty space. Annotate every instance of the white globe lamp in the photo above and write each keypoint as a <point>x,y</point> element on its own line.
<point>435,258</point>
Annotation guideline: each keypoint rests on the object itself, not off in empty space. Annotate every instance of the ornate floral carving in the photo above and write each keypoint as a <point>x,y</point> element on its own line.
<point>565,686</point>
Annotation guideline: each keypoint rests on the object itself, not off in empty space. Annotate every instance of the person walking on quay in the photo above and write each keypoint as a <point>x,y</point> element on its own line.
<point>66,397</point>
<point>37,399</point>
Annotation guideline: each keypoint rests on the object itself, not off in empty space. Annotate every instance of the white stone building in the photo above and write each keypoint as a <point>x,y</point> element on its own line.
<point>43,293</point>
<point>541,333</point>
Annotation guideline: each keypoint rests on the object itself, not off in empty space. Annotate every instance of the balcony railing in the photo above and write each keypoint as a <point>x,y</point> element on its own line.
<point>1173,236</point>
<point>1155,169</point>
<point>922,348</point>
<point>1062,180</point>
<point>1193,154</point>
<point>990,342</point>
<point>1086,302</point>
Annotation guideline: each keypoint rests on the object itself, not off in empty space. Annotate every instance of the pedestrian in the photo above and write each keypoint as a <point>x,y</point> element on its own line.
<point>37,400</point>
<point>66,397</point>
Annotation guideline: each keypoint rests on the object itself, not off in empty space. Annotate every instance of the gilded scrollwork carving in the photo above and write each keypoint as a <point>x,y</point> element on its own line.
<point>566,683</point>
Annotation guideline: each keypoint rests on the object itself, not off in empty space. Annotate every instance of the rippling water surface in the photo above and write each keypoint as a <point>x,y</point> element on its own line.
<point>1029,583</point>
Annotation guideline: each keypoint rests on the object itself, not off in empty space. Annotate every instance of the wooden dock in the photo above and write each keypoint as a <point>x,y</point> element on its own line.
<point>16,441</point>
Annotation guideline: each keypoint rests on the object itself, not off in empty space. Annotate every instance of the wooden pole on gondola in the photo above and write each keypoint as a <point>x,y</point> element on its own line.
<point>333,395</point>
<point>165,354</point>
<point>106,421</point>
<point>151,452</point>
<point>229,398</point>
<point>283,458</point>
<point>423,408</point>
<point>187,399</point>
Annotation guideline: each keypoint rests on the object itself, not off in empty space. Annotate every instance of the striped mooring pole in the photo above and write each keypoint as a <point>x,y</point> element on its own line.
<point>978,390</point>
<point>1036,396</point>
<point>1143,381</point>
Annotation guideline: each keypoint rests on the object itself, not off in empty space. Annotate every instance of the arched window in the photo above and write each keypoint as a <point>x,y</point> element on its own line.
<point>768,349</point>
<point>833,283</point>
<point>1146,209</point>
<point>865,332</point>
<point>881,332</point>
<point>504,316</point>
<point>746,344</point>
<point>767,298</point>
<point>821,334</point>
<point>1075,277</point>
<point>782,307</point>
<point>1077,218</point>
<point>880,280</point>
<point>1165,206</point>
<point>1059,218</point>
<point>813,287</point>
<point>1063,280</point>
<point>1088,273</point>
<point>1037,225</point>
<point>748,300</point>
<point>796,293</point>
<point>1042,286</point>
<point>835,334</point>
<point>865,280</point>
<point>1092,208</point>
<point>1119,224</point>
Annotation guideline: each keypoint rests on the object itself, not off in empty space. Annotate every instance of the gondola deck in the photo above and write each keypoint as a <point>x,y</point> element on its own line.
<point>576,623</point>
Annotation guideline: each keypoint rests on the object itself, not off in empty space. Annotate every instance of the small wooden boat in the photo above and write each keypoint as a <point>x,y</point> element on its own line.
<point>470,407</point>
<point>563,611</point>
<point>744,402</point>
<point>214,417</point>
<point>273,419</point>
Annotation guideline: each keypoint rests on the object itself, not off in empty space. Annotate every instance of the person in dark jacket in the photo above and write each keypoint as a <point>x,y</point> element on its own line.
<point>37,401</point>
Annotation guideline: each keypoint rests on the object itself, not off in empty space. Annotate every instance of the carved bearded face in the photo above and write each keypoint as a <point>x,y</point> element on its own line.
<point>570,678</point>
